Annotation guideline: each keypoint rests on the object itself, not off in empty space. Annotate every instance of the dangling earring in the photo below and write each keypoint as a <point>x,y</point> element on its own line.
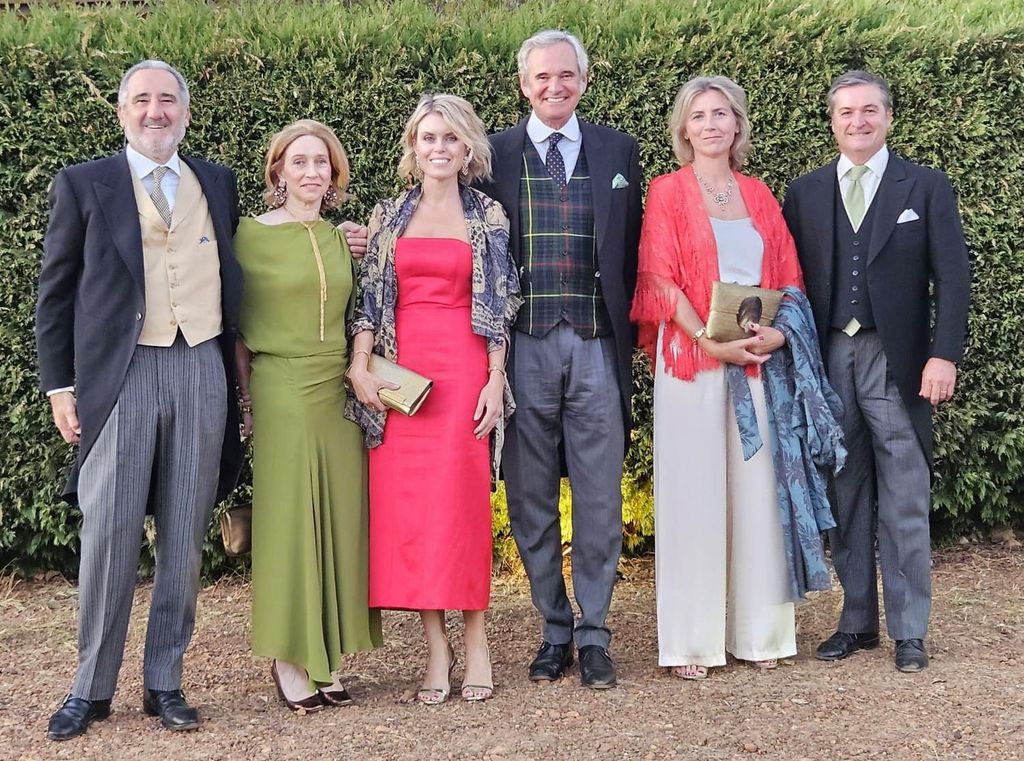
<point>280,194</point>
<point>418,171</point>
<point>331,197</point>
<point>465,163</point>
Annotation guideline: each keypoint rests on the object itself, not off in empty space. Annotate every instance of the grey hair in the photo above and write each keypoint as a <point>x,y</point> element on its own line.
<point>546,39</point>
<point>122,89</point>
<point>859,77</point>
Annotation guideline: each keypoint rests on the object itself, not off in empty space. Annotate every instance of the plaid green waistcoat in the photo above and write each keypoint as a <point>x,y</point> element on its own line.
<point>558,270</point>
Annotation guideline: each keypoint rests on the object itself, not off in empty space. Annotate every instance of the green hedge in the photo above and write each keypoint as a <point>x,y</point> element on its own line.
<point>956,75</point>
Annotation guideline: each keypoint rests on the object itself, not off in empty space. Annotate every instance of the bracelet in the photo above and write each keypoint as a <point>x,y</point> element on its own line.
<point>362,351</point>
<point>699,334</point>
<point>497,370</point>
<point>246,409</point>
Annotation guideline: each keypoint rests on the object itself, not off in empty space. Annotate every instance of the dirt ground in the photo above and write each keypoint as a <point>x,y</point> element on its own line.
<point>969,704</point>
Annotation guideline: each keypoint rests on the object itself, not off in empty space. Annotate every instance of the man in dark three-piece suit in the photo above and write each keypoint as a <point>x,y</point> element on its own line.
<point>572,194</point>
<point>139,295</point>
<point>873,233</point>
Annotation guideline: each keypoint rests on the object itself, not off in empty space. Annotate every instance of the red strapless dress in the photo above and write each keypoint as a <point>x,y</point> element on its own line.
<point>430,510</point>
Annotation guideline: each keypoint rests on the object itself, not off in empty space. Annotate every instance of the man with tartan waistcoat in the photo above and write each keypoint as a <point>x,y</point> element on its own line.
<point>572,193</point>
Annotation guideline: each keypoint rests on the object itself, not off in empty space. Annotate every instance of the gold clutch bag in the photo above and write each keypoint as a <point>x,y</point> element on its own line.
<point>412,387</point>
<point>236,530</point>
<point>734,307</point>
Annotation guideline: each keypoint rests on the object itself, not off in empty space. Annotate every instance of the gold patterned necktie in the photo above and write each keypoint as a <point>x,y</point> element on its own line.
<point>157,194</point>
<point>854,198</point>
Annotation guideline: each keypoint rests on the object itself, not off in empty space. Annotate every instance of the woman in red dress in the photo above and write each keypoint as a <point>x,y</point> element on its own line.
<point>438,293</point>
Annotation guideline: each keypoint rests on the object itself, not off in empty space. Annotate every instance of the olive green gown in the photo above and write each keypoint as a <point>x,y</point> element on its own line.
<point>310,516</point>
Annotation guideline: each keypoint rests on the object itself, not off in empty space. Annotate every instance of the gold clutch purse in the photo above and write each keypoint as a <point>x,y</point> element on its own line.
<point>734,307</point>
<point>236,530</point>
<point>412,387</point>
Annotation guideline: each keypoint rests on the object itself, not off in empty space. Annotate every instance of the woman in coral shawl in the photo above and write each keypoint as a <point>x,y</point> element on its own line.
<point>722,578</point>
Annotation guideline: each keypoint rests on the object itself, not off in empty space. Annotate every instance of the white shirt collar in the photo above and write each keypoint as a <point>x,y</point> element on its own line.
<point>876,164</point>
<point>539,131</point>
<point>142,166</point>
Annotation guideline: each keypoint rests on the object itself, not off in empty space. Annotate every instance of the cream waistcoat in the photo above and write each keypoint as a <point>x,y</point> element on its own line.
<point>182,267</point>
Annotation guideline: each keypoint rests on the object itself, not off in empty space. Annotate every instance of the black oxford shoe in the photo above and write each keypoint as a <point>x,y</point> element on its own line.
<point>170,706</point>
<point>841,644</point>
<point>551,662</point>
<point>596,668</point>
<point>911,656</point>
<point>74,717</point>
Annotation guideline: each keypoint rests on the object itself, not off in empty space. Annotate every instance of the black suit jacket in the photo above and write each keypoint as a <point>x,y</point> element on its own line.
<point>617,216</point>
<point>902,260</point>
<point>92,298</point>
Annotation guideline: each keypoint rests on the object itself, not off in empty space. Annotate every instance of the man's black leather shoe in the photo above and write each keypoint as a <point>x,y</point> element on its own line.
<point>74,717</point>
<point>596,668</point>
<point>841,644</point>
<point>170,706</point>
<point>911,656</point>
<point>551,662</point>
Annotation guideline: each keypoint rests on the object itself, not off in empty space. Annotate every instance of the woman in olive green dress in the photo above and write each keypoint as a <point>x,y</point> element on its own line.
<point>309,532</point>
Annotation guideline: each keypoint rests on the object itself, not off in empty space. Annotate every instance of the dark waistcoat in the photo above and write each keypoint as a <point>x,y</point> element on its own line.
<point>558,252</point>
<point>850,297</point>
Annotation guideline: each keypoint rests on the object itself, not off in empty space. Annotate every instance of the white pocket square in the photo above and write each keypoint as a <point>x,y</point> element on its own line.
<point>908,215</point>
<point>618,181</point>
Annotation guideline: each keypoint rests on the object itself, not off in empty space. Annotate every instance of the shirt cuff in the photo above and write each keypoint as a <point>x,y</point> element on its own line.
<point>53,391</point>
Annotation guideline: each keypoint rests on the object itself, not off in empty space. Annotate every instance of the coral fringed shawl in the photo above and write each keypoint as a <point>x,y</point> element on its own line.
<point>678,253</point>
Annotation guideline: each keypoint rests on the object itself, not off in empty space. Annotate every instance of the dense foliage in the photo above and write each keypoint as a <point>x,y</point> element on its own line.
<point>956,68</point>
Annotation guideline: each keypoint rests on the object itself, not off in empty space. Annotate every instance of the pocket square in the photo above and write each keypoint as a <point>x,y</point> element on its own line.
<point>618,181</point>
<point>908,215</point>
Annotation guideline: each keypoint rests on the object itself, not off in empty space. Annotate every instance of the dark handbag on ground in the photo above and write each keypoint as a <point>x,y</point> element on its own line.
<point>734,307</point>
<point>236,530</point>
<point>412,387</point>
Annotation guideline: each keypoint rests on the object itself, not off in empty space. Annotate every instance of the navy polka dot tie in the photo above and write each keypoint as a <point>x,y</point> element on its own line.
<point>555,163</point>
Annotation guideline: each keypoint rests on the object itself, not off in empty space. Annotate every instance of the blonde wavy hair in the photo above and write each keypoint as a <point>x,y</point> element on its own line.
<point>463,121</point>
<point>279,145</point>
<point>681,110</point>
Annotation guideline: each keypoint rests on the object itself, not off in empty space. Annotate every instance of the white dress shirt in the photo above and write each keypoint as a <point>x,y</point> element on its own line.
<point>569,146</point>
<point>143,166</point>
<point>869,181</point>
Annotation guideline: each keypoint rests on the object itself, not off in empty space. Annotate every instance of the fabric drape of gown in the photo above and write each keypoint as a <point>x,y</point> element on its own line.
<point>310,511</point>
<point>430,511</point>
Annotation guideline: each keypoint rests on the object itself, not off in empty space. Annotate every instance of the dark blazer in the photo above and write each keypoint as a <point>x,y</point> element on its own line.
<point>617,215</point>
<point>902,260</point>
<point>92,297</point>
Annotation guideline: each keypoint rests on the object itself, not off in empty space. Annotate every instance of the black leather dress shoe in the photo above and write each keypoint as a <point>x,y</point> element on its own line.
<point>841,644</point>
<point>911,656</point>
<point>74,717</point>
<point>170,706</point>
<point>596,668</point>
<point>551,662</point>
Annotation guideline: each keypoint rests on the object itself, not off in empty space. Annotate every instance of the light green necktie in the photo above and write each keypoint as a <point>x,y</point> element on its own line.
<point>854,198</point>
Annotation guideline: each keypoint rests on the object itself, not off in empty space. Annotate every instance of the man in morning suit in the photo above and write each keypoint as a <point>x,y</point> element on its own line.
<point>873,231</point>
<point>572,193</point>
<point>135,326</point>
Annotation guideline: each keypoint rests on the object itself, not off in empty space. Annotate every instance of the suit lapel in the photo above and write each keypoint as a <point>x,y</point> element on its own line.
<point>116,196</point>
<point>822,213</point>
<point>210,184</point>
<point>508,175</point>
<point>889,202</point>
<point>600,180</point>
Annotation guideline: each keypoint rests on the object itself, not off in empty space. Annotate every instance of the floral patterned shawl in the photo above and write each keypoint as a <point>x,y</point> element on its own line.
<point>495,300</point>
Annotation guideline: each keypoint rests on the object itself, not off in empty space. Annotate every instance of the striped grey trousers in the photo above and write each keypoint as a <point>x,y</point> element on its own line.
<point>886,481</point>
<point>160,448</point>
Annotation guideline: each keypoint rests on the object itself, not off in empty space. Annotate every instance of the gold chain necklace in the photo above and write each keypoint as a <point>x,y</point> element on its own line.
<point>319,264</point>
